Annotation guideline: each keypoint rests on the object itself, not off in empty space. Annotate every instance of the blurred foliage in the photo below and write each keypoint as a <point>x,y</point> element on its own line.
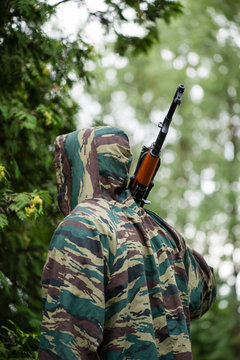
<point>141,13</point>
<point>17,344</point>
<point>37,74</point>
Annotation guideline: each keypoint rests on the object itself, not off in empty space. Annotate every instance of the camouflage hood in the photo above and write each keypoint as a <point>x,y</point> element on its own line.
<point>91,163</point>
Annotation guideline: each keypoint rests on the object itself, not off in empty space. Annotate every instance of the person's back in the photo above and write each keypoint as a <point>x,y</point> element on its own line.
<point>119,282</point>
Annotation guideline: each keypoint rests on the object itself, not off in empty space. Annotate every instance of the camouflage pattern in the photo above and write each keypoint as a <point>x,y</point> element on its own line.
<point>119,282</point>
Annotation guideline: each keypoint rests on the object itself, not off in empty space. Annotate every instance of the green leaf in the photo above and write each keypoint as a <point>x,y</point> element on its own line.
<point>30,122</point>
<point>5,283</point>
<point>16,169</point>
<point>3,221</point>
<point>20,201</point>
<point>21,215</point>
<point>4,110</point>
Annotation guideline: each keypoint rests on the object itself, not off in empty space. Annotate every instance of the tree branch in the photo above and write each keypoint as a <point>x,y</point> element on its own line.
<point>60,2</point>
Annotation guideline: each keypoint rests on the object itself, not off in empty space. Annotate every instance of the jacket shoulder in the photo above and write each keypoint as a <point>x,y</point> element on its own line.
<point>91,219</point>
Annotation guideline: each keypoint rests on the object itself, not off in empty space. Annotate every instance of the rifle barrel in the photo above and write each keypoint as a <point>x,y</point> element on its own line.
<point>157,146</point>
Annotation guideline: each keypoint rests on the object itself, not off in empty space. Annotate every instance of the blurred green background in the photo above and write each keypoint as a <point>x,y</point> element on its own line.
<point>120,66</point>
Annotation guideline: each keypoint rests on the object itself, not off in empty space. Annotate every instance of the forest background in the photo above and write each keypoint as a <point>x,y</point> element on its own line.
<point>125,75</point>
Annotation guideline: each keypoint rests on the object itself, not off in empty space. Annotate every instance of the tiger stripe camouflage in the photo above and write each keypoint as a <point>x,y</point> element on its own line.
<point>119,282</point>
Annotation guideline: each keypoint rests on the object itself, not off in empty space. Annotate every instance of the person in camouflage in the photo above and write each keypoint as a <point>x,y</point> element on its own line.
<point>119,282</point>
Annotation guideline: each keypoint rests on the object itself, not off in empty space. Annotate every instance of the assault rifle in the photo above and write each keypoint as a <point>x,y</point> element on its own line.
<point>141,183</point>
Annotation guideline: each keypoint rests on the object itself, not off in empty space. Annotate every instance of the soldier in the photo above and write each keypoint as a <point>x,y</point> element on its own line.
<point>119,282</point>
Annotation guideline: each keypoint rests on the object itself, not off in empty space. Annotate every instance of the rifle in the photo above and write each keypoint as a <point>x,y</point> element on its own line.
<point>141,183</point>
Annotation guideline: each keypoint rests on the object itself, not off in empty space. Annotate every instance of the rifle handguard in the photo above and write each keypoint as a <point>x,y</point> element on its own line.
<point>148,164</point>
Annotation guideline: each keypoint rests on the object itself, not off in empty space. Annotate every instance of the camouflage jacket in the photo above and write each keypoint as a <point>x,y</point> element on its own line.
<point>119,282</point>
